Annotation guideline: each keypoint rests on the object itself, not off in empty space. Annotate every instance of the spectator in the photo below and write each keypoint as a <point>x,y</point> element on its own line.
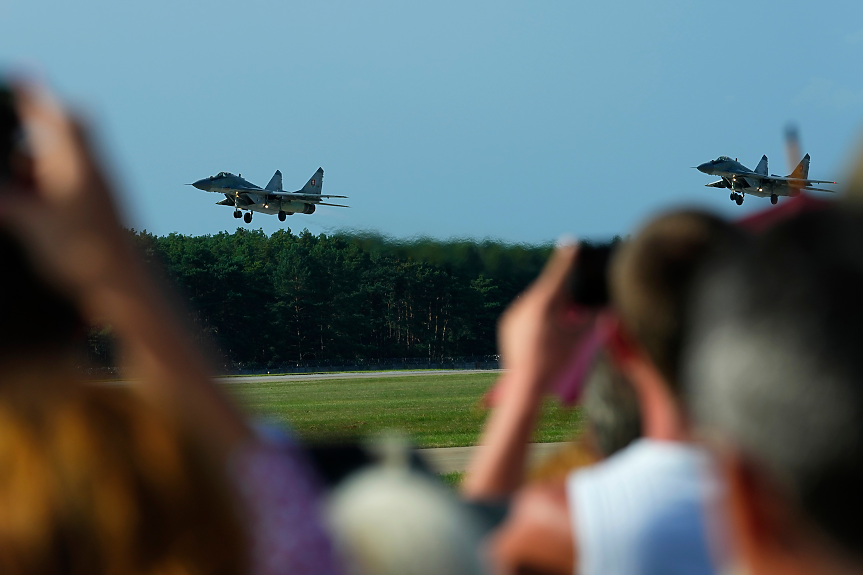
<point>612,420</point>
<point>643,510</point>
<point>611,409</point>
<point>774,375</point>
<point>392,519</point>
<point>96,481</point>
<point>62,213</point>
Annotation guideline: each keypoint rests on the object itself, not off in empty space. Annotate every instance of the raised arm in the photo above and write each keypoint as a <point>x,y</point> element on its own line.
<point>65,217</point>
<point>536,337</point>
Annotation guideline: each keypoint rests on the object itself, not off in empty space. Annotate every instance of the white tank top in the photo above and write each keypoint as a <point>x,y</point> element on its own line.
<point>644,511</point>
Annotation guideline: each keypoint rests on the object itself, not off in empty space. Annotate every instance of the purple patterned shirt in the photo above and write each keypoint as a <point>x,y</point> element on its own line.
<point>281,500</point>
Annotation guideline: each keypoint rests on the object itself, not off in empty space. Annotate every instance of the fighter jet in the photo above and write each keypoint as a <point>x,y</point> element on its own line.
<point>741,180</point>
<point>246,196</point>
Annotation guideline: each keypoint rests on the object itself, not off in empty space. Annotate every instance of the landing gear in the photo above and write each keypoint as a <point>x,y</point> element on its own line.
<point>735,197</point>
<point>282,216</point>
<point>247,217</point>
<point>774,199</point>
<point>238,214</point>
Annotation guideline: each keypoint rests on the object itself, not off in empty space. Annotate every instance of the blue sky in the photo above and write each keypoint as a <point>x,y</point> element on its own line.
<point>511,120</point>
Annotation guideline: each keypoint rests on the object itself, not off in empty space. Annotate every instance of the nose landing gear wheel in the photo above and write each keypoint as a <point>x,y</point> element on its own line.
<point>237,214</point>
<point>247,217</point>
<point>773,199</point>
<point>739,199</point>
<point>282,216</point>
<point>733,197</point>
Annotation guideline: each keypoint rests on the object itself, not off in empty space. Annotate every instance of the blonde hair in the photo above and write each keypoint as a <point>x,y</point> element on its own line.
<point>93,480</point>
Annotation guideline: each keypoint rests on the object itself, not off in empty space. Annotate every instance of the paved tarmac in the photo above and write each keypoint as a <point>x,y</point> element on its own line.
<point>450,459</point>
<point>346,375</point>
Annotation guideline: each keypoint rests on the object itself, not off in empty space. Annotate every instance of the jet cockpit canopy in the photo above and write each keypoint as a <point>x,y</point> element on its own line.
<point>723,159</point>
<point>221,175</point>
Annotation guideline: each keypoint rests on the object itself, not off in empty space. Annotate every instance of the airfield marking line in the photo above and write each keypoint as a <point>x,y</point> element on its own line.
<point>452,459</point>
<point>346,375</point>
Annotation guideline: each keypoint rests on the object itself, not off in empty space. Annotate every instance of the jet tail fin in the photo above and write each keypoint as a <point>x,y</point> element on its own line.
<point>802,170</point>
<point>315,183</point>
<point>761,168</point>
<point>275,184</point>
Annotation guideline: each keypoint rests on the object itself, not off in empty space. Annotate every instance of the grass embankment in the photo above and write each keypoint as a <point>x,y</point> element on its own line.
<point>452,479</point>
<point>434,410</point>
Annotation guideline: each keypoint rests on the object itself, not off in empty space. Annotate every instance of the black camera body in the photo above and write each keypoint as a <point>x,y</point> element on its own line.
<point>11,135</point>
<point>589,286</point>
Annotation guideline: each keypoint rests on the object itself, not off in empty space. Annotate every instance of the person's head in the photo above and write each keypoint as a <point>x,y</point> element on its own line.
<point>773,373</point>
<point>93,480</point>
<point>650,278</point>
<point>389,519</point>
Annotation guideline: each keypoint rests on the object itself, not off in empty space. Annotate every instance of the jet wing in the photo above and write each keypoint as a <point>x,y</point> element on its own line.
<point>745,175</point>
<point>801,181</point>
<point>803,184</point>
<point>235,197</point>
<point>242,190</point>
<point>301,197</point>
<point>307,198</point>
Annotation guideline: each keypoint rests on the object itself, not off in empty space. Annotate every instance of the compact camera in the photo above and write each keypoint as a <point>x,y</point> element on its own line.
<point>11,137</point>
<point>589,280</point>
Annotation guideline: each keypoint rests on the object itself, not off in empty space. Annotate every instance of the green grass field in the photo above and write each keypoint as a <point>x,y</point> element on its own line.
<point>452,479</point>
<point>434,410</point>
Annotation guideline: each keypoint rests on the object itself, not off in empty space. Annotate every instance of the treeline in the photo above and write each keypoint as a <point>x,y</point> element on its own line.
<point>267,301</point>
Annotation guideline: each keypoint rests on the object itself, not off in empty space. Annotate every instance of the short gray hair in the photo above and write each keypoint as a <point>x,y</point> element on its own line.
<point>611,406</point>
<point>773,362</point>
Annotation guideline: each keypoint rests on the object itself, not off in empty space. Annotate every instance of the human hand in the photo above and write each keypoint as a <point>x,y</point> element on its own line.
<point>539,331</point>
<point>64,213</point>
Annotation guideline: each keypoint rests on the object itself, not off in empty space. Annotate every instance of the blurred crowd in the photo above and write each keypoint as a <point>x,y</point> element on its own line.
<point>717,362</point>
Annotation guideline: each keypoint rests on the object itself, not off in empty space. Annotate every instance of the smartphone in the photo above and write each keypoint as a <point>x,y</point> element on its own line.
<point>11,136</point>
<point>589,280</point>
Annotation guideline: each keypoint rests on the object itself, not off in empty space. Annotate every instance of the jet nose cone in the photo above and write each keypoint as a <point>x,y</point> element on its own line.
<point>704,168</point>
<point>201,184</point>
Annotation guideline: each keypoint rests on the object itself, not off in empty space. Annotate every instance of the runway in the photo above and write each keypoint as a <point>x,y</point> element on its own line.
<point>450,459</point>
<point>346,375</point>
<point>440,459</point>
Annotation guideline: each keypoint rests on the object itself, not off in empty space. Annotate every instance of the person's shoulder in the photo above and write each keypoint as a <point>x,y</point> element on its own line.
<point>652,453</point>
<point>647,454</point>
<point>665,468</point>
